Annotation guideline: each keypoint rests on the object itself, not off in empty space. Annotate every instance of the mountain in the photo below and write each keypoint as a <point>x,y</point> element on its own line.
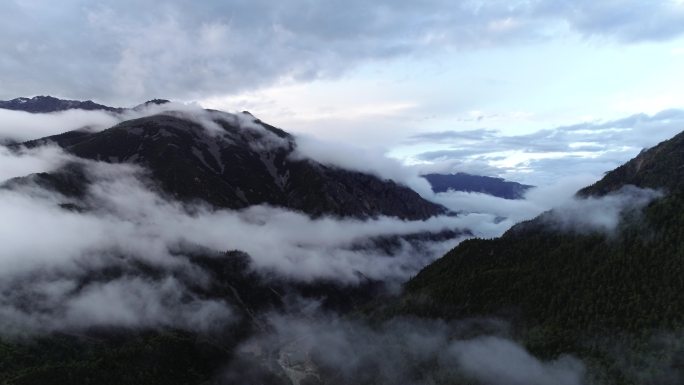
<point>579,291</point>
<point>44,104</point>
<point>497,187</point>
<point>233,167</point>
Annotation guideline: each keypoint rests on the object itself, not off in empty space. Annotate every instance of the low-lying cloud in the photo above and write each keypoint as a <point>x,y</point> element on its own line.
<point>541,157</point>
<point>372,162</point>
<point>402,351</point>
<point>126,215</point>
<point>21,126</point>
<point>59,243</point>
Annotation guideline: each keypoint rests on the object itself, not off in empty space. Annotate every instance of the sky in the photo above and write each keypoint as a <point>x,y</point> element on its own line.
<point>531,90</point>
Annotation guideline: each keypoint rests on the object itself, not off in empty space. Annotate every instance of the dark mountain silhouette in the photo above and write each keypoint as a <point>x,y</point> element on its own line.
<point>236,167</point>
<point>232,165</point>
<point>43,104</point>
<point>476,183</point>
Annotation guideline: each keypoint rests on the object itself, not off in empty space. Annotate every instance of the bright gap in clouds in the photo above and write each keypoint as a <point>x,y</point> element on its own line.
<point>516,92</point>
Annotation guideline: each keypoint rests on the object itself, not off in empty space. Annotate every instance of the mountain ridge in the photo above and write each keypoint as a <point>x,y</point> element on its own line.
<point>223,169</point>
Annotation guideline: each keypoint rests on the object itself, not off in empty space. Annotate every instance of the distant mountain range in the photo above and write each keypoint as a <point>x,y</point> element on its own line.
<point>475,183</point>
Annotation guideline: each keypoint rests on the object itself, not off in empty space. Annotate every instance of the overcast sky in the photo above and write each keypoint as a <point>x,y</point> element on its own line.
<point>530,90</point>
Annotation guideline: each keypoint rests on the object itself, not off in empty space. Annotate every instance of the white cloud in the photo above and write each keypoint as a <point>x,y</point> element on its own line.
<point>23,162</point>
<point>67,304</point>
<point>495,360</point>
<point>399,350</point>
<point>370,161</point>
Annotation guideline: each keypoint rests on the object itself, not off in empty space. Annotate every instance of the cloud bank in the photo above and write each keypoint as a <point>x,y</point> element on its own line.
<point>400,350</point>
<point>189,50</point>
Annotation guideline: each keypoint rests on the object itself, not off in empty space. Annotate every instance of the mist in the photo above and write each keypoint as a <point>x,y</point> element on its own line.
<point>63,303</point>
<point>29,161</point>
<point>602,213</point>
<point>398,351</point>
<point>21,126</point>
<point>125,214</point>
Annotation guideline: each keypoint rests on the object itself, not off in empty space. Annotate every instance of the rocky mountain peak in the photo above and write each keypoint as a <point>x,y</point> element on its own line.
<point>46,104</point>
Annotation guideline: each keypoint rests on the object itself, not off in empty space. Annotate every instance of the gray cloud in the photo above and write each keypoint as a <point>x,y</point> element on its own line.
<point>585,148</point>
<point>22,126</point>
<point>363,160</point>
<point>115,51</point>
<point>123,222</point>
<point>557,204</point>
<point>498,361</point>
